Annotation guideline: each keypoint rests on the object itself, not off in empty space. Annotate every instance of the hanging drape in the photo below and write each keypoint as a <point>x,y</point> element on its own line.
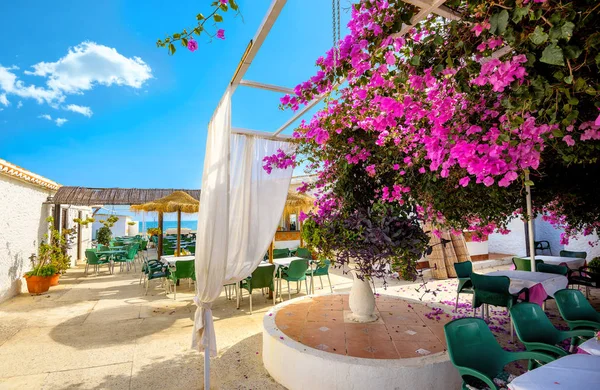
<point>229,248</point>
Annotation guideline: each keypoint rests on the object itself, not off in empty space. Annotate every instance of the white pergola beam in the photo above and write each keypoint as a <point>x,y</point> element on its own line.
<point>426,9</point>
<point>259,134</point>
<point>440,10</point>
<point>268,87</point>
<point>257,41</point>
<point>297,115</point>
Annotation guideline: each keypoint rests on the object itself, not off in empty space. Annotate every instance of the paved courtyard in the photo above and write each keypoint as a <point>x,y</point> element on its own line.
<point>102,332</point>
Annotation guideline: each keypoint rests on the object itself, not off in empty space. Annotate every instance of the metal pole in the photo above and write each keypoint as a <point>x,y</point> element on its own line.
<point>530,222</point>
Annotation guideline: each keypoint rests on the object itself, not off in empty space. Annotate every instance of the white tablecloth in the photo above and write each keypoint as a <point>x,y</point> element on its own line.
<point>285,261</point>
<point>572,262</point>
<point>577,372</point>
<point>171,259</point>
<point>520,279</point>
<point>592,346</point>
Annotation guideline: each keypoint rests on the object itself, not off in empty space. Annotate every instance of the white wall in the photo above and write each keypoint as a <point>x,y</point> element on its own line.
<point>544,231</point>
<point>119,229</point>
<point>581,243</point>
<point>86,232</point>
<point>22,226</point>
<point>509,244</point>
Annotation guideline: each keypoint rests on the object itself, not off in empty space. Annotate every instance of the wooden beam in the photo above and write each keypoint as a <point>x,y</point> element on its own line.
<point>267,87</point>
<point>178,233</point>
<point>160,235</point>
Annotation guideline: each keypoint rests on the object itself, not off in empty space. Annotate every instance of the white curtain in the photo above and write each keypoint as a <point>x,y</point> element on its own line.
<point>229,249</point>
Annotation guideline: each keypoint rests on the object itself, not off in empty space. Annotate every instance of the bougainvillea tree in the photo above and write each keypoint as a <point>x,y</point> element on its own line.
<point>445,121</point>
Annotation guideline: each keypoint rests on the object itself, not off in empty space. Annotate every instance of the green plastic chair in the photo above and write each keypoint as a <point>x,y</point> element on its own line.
<point>321,270</point>
<point>147,265</point>
<point>537,333</point>
<point>474,351</point>
<point>262,277</point>
<point>494,290</point>
<point>128,258</point>
<point>552,269</point>
<point>524,264</point>
<point>92,259</point>
<point>155,271</point>
<point>183,270</point>
<point>576,310</point>
<point>465,286</point>
<point>296,272</point>
<point>304,253</point>
<point>572,254</point>
<point>281,253</point>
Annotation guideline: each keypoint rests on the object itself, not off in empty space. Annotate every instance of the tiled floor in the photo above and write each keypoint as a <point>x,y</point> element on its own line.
<point>402,331</point>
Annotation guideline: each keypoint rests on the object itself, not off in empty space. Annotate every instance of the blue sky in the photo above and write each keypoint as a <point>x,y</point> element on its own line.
<point>150,131</point>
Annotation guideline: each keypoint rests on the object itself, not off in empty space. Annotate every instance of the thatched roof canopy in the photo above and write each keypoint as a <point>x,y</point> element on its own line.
<point>298,202</point>
<point>177,201</point>
<point>85,196</point>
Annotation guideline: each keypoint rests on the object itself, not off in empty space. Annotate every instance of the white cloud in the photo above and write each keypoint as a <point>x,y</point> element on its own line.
<point>85,66</point>
<point>3,100</point>
<point>45,116</point>
<point>88,64</point>
<point>20,104</point>
<point>60,121</point>
<point>86,111</point>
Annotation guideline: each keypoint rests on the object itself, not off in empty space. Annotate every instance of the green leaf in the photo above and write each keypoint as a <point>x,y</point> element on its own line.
<point>553,55</point>
<point>224,7</point>
<point>200,17</point>
<point>557,133</point>
<point>538,36</point>
<point>519,13</point>
<point>415,60</point>
<point>502,21</point>
<point>528,183</point>
<point>493,23</point>
<point>572,52</point>
<point>568,79</point>
<point>172,49</point>
<point>567,30</point>
<point>233,5</point>
<point>217,18</point>
<point>184,42</point>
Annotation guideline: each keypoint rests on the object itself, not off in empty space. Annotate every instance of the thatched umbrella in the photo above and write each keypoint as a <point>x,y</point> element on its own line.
<point>178,202</point>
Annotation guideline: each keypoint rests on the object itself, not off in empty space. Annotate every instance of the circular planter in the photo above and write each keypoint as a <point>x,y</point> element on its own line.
<point>54,280</point>
<point>38,284</point>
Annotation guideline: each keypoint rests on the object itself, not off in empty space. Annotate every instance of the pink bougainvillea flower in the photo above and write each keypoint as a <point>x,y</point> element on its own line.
<point>569,140</point>
<point>223,1</point>
<point>221,33</point>
<point>192,45</point>
<point>597,122</point>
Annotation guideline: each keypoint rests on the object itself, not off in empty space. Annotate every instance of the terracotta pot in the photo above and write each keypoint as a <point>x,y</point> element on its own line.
<point>38,284</point>
<point>54,280</point>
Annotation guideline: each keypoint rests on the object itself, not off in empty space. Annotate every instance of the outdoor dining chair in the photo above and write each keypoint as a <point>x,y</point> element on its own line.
<point>475,352</point>
<point>576,310</point>
<point>92,259</point>
<point>156,271</point>
<point>295,272</point>
<point>304,253</point>
<point>463,272</point>
<point>577,255</point>
<point>262,277</point>
<point>128,258</point>
<point>281,253</point>
<point>494,290</point>
<point>524,264</point>
<point>552,269</point>
<point>183,270</point>
<point>542,246</point>
<point>321,270</point>
<point>537,333</point>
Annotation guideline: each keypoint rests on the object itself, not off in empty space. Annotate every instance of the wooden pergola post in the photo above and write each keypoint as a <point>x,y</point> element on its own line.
<point>160,234</point>
<point>300,228</point>
<point>178,232</point>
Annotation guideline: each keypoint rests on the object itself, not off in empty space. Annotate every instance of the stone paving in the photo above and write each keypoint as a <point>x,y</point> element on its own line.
<point>102,332</point>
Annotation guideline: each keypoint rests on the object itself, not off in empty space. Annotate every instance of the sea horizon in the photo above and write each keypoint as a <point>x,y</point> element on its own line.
<point>169,224</point>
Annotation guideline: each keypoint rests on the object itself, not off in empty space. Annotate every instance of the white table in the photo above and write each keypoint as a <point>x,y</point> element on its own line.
<point>520,279</point>
<point>591,346</point>
<point>577,372</point>
<point>572,262</point>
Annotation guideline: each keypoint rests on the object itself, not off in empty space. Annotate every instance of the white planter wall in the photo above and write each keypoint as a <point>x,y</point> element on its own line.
<point>22,226</point>
<point>510,244</point>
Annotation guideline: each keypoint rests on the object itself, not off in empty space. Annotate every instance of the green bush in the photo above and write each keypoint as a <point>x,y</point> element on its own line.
<point>104,235</point>
<point>43,270</point>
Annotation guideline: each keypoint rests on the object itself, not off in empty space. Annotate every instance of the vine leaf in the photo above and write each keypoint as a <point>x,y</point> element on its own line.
<point>553,55</point>
<point>538,36</point>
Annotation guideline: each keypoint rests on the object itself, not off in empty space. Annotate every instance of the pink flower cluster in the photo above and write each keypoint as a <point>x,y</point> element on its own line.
<point>280,160</point>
